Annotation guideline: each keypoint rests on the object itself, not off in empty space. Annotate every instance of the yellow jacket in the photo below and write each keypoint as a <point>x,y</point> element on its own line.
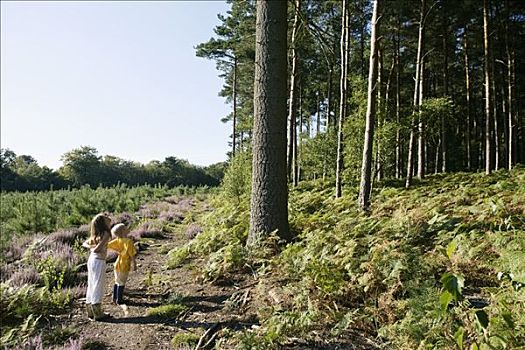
<point>126,251</point>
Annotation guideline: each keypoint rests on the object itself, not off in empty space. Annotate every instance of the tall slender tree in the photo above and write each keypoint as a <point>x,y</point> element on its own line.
<point>510,118</point>
<point>488,94</point>
<point>417,95</point>
<point>467,99</point>
<point>269,198</point>
<point>443,126</point>
<point>397,58</point>
<point>366,168</point>
<point>343,83</point>
<point>292,102</point>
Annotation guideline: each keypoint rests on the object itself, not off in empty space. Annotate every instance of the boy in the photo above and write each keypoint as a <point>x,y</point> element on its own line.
<point>125,261</point>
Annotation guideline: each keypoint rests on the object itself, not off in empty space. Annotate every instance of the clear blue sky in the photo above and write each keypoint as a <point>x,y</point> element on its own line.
<point>119,76</point>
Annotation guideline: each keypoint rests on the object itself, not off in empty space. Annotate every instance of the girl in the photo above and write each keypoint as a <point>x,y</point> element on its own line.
<point>98,245</point>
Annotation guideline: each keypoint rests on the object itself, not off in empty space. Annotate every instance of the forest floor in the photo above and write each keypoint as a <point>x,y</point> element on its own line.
<point>213,310</point>
<point>152,285</point>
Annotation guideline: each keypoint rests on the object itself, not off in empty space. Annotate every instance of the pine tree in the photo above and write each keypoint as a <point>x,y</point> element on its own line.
<point>269,198</point>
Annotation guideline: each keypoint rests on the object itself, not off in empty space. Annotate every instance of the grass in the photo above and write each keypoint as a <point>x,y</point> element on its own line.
<point>167,311</point>
<point>188,340</point>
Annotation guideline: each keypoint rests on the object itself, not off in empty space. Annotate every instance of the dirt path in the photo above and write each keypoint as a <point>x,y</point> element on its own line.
<point>151,286</point>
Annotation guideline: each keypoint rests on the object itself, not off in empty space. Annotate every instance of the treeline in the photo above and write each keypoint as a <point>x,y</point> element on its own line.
<point>83,166</point>
<point>465,112</point>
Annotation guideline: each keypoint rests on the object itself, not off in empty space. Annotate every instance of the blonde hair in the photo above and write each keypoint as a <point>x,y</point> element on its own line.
<point>119,230</point>
<point>98,227</point>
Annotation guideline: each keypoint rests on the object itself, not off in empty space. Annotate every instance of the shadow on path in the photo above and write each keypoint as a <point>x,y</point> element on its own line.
<point>232,324</point>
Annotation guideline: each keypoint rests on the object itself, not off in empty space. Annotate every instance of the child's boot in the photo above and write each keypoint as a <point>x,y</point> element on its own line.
<point>115,293</point>
<point>89,310</point>
<point>120,295</point>
<point>99,315</point>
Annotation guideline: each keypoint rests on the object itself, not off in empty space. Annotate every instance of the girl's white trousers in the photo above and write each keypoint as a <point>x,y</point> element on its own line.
<point>96,280</point>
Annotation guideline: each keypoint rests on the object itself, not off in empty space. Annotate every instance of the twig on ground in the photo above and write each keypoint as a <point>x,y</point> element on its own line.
<point>206,334</point>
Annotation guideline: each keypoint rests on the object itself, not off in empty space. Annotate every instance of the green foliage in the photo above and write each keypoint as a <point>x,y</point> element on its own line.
<point>237,182</point>
<point>52,273</point>
<point>420,269</point>
<point>433,109</point>
<point>22,308</point>
<point>45,212</point>
<point>318,156</point>
<point>83,166</point>
<point>452,286</point>
<point>228,258</point>
<point>167,311</point>
<point>354,129</point>
<point>185,339</point>
<point>177,256</point>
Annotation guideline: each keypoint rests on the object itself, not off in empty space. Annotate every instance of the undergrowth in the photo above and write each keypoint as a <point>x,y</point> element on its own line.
<point>438,266</point>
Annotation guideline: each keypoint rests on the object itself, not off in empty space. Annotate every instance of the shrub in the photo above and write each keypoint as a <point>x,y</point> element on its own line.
<point>25,275</point>
<point>237,179</point>
<point>192,231</point>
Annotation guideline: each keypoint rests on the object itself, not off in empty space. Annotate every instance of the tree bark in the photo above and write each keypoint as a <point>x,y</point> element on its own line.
<point>292,108</point>
<point>366,168</point>
<point>234,93</point>
<point>269,198</point>
<point>318,116</point>
<point>379,108</point>
<point>329,100</point>
<point>495,118</point>
<point>421,161</point>
<point>510,130</point>
<point>488,95</point>
<point>444,144</point>
<point>411,144</point>
<point>297,173</point>
<point>342,101</point>
<point>467,96</point>
<point>398,100</point>
<point>510,83</point>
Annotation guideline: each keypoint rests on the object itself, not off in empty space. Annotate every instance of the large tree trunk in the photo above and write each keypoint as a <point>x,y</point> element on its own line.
<point>411,144</point>
<point>292,107</point>
<point>269,198</point>
<point>342,102</point>
<point>488,95</point>
<point>366,168</point>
